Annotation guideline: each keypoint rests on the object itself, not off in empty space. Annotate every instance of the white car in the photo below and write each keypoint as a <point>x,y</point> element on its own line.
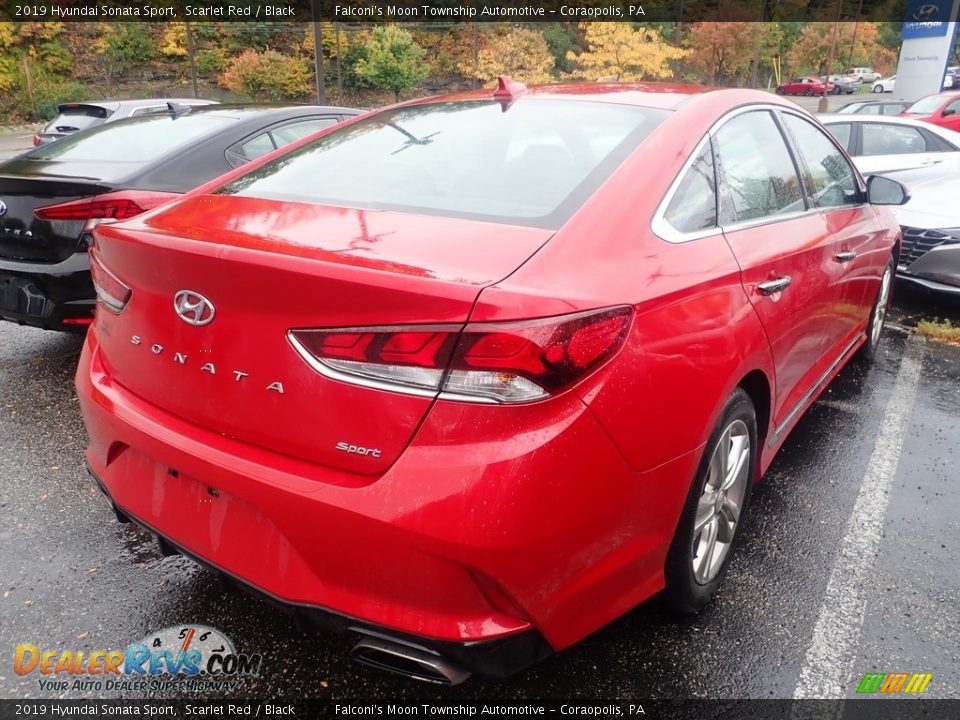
<point>930,220</point>
<point>882,144</point>
<point>885,84</point>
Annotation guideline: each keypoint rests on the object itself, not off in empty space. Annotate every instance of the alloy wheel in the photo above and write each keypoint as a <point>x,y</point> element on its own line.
<point>720,503</point>
<point>880,311</point>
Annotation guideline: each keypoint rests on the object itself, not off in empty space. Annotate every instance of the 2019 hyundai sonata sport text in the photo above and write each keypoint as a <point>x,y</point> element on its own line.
<point>473,376</point>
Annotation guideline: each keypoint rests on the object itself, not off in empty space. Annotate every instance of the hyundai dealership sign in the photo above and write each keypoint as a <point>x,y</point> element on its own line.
<point>928,32</point>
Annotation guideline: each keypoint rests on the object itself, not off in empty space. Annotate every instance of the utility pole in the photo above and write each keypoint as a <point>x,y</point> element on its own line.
<point>476,43</point>
<point>193,59</point>
<point>822,105</point>
<point>318,53</point>
<point>336,29</point>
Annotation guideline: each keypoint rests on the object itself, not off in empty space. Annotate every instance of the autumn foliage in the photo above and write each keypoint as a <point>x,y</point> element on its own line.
<point>622,52</point>
<point>521,53</point>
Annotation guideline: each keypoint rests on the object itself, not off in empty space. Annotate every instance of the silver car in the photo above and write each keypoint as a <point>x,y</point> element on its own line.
<point>74,116</point>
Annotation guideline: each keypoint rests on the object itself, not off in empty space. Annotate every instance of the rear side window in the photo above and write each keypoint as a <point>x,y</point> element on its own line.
<point>694,204</point>
<point>841,131</point>
<point>76,118</point>
<point>758,172</point>
<point>829,175</point>
<point>134,140</point>
<point>533,162</point>
<point>257,146</point>
<point>286,134</point>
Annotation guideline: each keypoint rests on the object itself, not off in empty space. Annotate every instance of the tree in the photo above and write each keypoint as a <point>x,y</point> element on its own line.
<point>722,50</point>
<point>122,46</point>
<point>270,72</point>
<point>522,54</point>
<point>857,44</point>
<point>619,51</point>
<point>393,60</point>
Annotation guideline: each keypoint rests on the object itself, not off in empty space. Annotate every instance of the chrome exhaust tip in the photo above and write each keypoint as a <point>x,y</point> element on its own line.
<point>410,661</point>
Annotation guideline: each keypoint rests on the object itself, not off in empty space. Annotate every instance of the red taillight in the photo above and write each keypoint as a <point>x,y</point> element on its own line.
<point>111,206</point>
<point>483,362</point>
<point>36,140</point>
<point>111,292</point>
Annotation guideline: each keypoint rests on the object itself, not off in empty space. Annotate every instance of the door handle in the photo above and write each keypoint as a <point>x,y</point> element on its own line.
<point>772,287</point>
<point>931,162</point>
<point>845,257</point>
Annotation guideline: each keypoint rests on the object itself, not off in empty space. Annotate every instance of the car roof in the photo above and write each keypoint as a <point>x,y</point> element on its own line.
<point>852,117</point>
<point>240,111</point>
<point>826,118</point>
<point>114,105</point>
<point>666,96</point>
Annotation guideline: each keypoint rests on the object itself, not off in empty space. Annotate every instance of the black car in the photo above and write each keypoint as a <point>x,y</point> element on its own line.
<point>52,196</point>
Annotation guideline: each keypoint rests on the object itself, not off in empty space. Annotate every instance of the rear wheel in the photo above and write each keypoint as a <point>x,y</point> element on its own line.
<point>878,88</point>
<point>878,314</point>
<point>707,533</point>
<point>809,92</point>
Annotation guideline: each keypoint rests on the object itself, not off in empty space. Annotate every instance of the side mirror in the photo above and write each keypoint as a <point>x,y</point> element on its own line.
<point>949,112</point>
<point>882,190</point>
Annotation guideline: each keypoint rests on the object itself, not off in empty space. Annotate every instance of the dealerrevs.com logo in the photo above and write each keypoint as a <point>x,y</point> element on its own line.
<point>185,657</point>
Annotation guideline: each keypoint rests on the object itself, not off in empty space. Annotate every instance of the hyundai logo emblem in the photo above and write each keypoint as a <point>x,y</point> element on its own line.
<point>3,208</point>
<point>926,12</point>
<point>193,308</point>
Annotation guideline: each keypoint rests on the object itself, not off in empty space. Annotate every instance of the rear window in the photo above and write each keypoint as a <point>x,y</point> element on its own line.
<point>136,140</point>
<point>72,119</point>
<point>532,163</point>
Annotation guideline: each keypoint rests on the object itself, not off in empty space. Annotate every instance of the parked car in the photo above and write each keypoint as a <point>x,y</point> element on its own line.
<point>885,85</point>
<point>890,144</point>
<point>805,86</point>
<point>862,74</point>
<point>930,221</point>
<point>942,109</point>
<point>52,196</point>
<point>842,84</point>
<point>75,116</point>
<point>874,107</point>
<point>396,360</point>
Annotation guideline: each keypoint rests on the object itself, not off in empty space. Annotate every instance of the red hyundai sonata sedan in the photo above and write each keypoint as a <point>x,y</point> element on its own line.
<point>472,376</point>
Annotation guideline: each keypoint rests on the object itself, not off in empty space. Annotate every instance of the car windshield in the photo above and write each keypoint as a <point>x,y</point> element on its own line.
<point>137,140</point>
<point>533,162</point>
<point>925,106</point>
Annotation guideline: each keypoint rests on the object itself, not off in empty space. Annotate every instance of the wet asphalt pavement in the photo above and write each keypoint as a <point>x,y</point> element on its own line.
<point>72,577</point>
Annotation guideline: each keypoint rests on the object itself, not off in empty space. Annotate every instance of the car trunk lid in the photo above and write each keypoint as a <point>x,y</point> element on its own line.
<point>24,236</point>
<point>268,267</point>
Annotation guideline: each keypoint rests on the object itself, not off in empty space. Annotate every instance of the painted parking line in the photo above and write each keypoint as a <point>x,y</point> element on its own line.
<point>828,665</point>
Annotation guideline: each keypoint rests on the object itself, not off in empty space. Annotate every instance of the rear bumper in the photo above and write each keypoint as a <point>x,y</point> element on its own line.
<point>56,296</point>
<point>545,540</point>
<point>492,658</point>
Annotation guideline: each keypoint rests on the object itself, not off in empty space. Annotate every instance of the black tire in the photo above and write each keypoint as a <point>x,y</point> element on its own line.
<point>837,90</point>
<point>779,91</point>
<point>809,92</point>
<point>878,88</point>
<point>684,593</point>
<point>868,351</point>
